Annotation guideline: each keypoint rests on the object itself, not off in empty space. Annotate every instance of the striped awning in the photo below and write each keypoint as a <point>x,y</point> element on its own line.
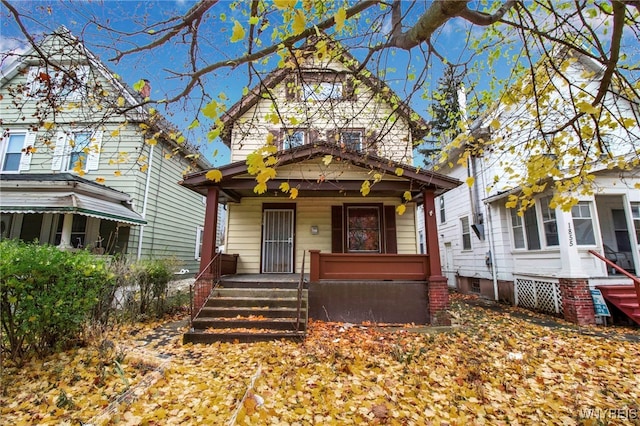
<point>68,202</point>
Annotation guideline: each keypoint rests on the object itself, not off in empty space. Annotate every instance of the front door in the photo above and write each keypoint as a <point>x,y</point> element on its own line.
<point>277,241</point>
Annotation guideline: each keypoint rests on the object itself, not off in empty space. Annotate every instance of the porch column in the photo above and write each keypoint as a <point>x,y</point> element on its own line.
<point>65,236</point>
<point>210,228</point>
<point>577,303</point>
<point>438,292</point>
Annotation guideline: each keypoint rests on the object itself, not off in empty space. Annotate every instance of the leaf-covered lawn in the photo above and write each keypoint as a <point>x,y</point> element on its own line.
<point>493,368</point>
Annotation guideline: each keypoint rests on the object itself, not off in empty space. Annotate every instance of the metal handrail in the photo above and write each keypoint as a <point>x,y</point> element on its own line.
<point>215,280</point>
<point>300,284</point>
<point>636,280</point>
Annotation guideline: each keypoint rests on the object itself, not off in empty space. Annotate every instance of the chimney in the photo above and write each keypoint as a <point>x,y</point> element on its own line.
<point>145,92</point>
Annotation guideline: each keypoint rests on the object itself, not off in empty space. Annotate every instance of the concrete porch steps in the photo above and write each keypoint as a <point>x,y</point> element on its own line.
<point>244,311</point>
<point>624,297</point>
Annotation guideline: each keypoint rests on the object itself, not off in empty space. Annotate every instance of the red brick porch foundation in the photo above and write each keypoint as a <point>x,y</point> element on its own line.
<point>576,301</point>
<point>438,294</point>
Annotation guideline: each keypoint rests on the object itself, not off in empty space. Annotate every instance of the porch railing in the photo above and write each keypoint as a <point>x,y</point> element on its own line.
<point>300,284</point>
<point>362,266</point>
<point>209,278</point>
<point>636,280</point>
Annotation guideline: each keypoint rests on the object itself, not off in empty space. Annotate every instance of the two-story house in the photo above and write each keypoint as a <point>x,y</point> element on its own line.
<point>84,164</point>
<point>321,183</point>
<point>541,258</point>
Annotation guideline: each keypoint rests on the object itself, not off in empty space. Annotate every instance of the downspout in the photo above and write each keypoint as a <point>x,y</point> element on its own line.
<point>145,200</point>
<point>492,246</point>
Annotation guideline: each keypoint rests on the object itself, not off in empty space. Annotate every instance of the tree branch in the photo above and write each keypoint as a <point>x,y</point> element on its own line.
<point>619,11</point>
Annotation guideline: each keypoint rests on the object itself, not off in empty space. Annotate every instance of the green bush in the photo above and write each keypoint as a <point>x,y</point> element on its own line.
<point>46,295</point>
<point>152,277</point>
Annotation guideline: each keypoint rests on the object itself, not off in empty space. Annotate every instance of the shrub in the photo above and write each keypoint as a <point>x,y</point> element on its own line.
<point>46,294</point>
<point>152,277</point>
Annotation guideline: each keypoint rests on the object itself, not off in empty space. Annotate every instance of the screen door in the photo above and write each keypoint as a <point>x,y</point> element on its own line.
<point>277,240</point>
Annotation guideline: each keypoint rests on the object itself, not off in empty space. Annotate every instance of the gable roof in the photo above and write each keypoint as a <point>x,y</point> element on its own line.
<point>139,113</point>
<point>419,127</point>
<point>236,183</point>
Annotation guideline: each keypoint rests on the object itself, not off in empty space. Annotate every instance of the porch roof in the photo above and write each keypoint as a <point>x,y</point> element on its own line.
<point>235,183</point>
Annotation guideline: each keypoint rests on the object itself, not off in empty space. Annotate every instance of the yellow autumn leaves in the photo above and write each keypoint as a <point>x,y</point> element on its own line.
<point>490,368</point>
<point>298,18</point>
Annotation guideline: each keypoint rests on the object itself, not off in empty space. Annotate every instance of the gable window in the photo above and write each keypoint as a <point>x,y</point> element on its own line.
<point>363,229</point>
<point>294,138</point>
<point>583,224</point>
<point>67,84</point>
<point>466,233</point>
<point>16,151</point>
<point>635,213</point>
<point>549,222</point>
<point>525,229</point>
<point>443,217</point>
<point>321,91</point>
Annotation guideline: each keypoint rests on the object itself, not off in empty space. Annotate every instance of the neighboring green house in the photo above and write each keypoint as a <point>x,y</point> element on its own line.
<point>84,165</point>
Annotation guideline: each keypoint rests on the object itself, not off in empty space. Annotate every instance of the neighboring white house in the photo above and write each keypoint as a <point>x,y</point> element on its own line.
<point>83,165</point>
<point>488,249</point>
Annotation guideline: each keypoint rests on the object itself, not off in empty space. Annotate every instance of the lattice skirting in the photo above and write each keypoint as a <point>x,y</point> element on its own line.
<point>538,294</point>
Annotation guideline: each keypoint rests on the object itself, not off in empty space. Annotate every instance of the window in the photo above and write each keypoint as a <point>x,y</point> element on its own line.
<point>518,229</point>
<point>12,153</point>
<point>294,138</point>
<point>66,84</point>
<point>321,91</point>
<point>635,213</point>
<point>351,140</point>
<point>466,233</point>
<point>525,229</point>
<point>77,151</point>
<point>15,151</point>
<point>549,222</point>
<point>199,238</point>
<point>363,229</point>
<point>583,224</point>
<point>80,146</point>
<point>443,217</point>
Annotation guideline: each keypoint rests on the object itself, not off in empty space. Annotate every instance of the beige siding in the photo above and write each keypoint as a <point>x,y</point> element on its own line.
<point>367,112</point>
<point>245,222</point>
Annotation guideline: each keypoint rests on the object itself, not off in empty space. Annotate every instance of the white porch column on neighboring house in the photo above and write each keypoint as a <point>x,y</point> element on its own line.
<point>65,237</point>
<point>569,254</point>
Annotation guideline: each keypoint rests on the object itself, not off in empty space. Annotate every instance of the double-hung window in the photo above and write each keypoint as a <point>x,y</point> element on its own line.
<point>77,151</point>
<point>583,224</point>
<point>80,145</point>
<point>549,222</point>
<point>16,150</point>
<point>466,233</point>
<point>525,229</point>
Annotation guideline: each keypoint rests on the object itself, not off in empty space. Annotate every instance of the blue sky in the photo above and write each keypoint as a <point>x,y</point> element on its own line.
<point>125,15</point>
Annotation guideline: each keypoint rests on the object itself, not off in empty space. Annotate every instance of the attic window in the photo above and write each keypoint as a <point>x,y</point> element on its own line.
<point>68,84</point>
<point>319,86</point>
<point>294,138</point>
<point>321,91</point>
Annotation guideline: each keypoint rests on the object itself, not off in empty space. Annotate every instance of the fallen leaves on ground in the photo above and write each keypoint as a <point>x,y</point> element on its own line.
<point>493,368</point>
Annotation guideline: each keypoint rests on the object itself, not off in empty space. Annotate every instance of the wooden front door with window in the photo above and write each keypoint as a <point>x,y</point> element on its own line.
<point>277,240</point>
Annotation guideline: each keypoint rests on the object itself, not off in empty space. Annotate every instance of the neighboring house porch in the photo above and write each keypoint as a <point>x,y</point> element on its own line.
<point>67,211</point>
